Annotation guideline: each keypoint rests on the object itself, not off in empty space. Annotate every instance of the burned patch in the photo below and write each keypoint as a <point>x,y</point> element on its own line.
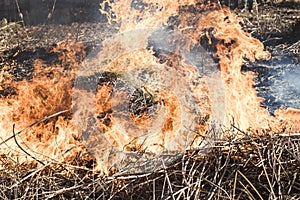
<point>23,62</point>
<point>142,102</point>
<point>90,83</point>
<point>105,117</point>
<point>7,91</point>
<point>138,5</point>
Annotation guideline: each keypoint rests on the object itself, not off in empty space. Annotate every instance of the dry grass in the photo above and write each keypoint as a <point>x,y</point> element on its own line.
<point>266,167</point>
<point>252,167</point>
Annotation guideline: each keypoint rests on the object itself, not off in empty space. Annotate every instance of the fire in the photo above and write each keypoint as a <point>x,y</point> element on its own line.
<point>46,94</point>
<point>208,21</point>
<point>134,97</point>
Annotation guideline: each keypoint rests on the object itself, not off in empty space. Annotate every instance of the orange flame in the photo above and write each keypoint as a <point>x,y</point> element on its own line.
<point>49,92</point>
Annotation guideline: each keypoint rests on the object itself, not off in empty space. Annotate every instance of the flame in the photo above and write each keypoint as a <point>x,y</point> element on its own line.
<point>243,106</point>
<point>180,100</point>
<point>208,20</point>
<point>46,94</point>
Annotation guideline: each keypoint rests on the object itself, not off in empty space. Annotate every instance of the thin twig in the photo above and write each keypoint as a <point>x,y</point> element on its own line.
<point>33,124</point>
<point>20,13</point>
<point>15,139</point>
<point>266,173</point>
<point>234,185</point>
<point>168,181</point>
<point>249,182</point>
<point>52,10</point>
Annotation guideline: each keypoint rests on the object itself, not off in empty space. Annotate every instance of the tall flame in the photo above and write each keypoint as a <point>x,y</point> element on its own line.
<point>207,20</point>
<point>44,103</point>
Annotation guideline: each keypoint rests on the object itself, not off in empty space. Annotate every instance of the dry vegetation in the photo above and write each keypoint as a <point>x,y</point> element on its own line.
<point>252,167</point>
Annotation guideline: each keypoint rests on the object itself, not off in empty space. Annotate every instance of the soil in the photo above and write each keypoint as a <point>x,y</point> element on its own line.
<point>277,26</point>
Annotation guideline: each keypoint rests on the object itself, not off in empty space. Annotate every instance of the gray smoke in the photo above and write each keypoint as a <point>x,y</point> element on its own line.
<point>280,84</point>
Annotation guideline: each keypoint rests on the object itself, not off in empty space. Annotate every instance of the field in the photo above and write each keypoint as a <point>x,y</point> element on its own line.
<point>42,156</point>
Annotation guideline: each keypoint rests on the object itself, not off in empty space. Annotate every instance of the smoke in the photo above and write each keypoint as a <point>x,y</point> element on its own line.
<point>147,94</point>
<point>279,84</point>
<point>286,85</point>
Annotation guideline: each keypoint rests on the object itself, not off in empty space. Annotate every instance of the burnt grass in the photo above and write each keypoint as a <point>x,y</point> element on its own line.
<point>264,167</point>
<point>251,168</point>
